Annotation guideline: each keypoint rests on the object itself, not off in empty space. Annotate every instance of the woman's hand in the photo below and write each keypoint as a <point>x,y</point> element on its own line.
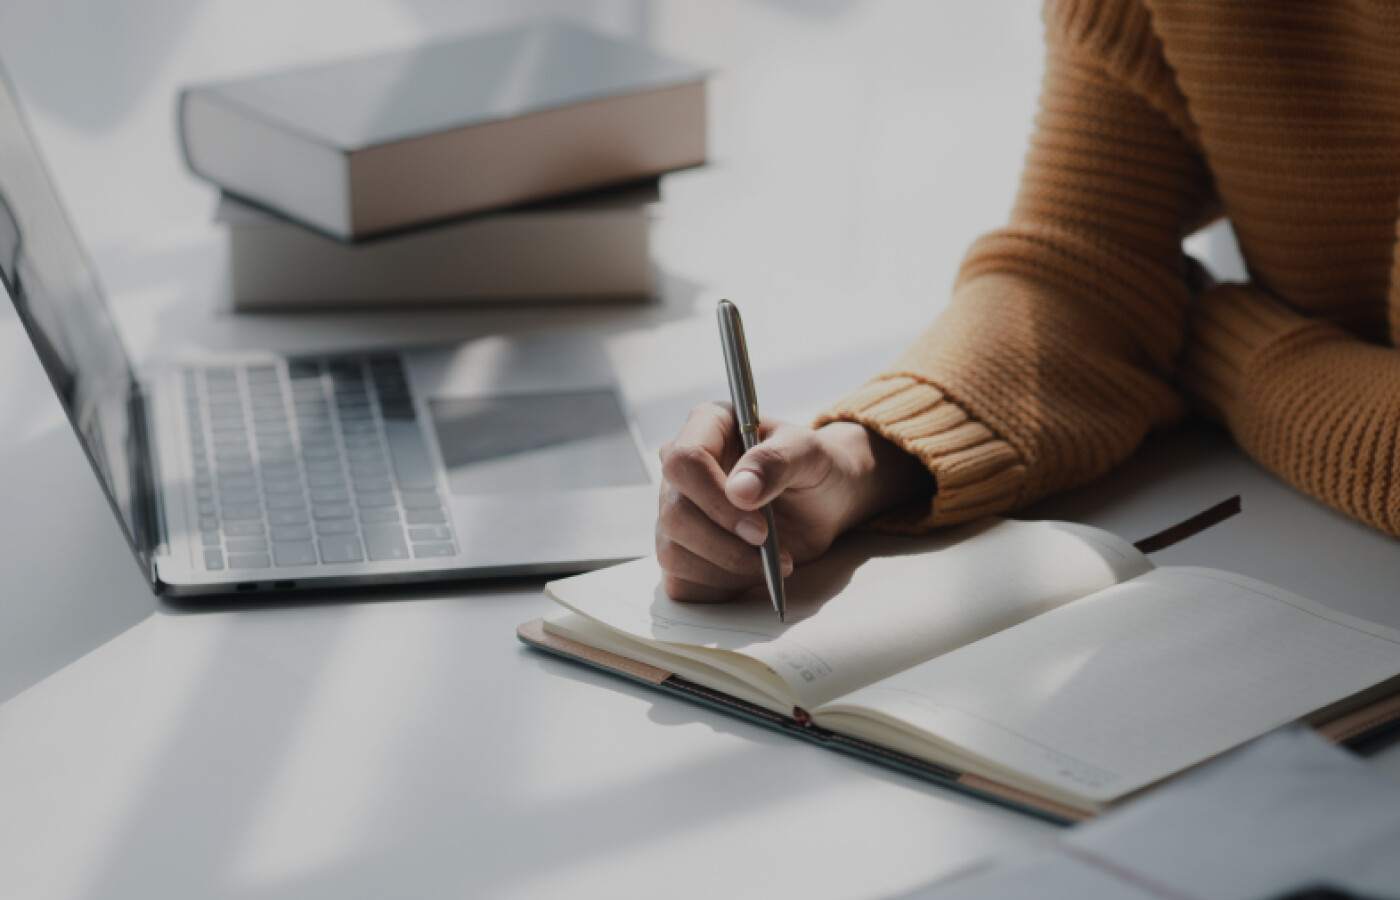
<point>820,482</point>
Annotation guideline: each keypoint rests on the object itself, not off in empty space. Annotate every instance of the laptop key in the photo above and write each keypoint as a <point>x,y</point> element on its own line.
<point>430,533</point>
<point>373,485</point>
<point>412,466</point>
<point>247,545</point>
<point>426,550</point>
<point>287,517</point>
<point>243,529</point>
<point>385,542</point>
<point>341,549</point>
<point>336,526</point>
<point>333,511</point>
<point>420,500</point>
<point>248,561</point>
<point>294,553</point>
<point>424,517</point>
<point>379,515</point>
<point>291,533</point>
<point>208,523</point>
<point>242,513</point>
<point>376,501</point>
<point>213,559</point>
<point>211,538</point>
<point>285,501</point>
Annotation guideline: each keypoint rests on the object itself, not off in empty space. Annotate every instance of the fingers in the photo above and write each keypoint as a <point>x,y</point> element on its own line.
<point>789,457</point>
<point>695,463</point>
<point>682,523</point>
<point>688,576</point>
<point>705,544</point>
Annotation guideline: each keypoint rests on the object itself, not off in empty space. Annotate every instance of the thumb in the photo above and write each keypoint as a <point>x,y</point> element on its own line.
<point>789,457</point>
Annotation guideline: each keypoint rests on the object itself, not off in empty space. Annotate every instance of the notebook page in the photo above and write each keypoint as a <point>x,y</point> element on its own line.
<point>1114,692</point>
<point>874,604</point>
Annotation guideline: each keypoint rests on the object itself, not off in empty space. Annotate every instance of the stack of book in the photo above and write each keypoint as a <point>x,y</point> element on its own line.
<point>513,165</point>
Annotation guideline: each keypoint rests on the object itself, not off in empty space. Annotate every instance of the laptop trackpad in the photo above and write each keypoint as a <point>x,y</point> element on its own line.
<point>536,443</point>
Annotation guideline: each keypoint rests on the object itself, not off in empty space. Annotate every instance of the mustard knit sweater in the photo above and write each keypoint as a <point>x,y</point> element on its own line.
<point>1073,331</point>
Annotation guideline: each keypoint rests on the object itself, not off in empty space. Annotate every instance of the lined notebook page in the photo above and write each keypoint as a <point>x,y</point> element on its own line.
<point>875,604</point>
<point>1116,691</point>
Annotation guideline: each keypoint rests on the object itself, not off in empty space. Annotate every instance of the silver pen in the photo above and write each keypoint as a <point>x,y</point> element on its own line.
<point>741,391</point>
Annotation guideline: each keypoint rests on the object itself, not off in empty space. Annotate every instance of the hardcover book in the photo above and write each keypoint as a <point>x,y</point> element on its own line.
<point>592,246</point>
<point>380,143</point>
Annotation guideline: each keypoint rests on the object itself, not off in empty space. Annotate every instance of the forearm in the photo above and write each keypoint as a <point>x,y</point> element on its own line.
<point>1311,402</point>
<point>1057,354</point>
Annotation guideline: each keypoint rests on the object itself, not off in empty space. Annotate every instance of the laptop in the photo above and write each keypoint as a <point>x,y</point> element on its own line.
<point>264,472</point>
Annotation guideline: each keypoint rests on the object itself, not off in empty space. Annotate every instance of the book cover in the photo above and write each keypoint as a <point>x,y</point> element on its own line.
<point>380,143</point>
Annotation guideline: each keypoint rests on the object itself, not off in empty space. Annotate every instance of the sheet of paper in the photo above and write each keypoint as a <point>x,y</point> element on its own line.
<point>873,605</point>
<point>1110,694</point>
<point>1283,813</point>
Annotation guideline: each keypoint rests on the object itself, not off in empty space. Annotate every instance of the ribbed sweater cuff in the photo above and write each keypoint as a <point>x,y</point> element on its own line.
<point>1229,327</point>
<point>977,473</point>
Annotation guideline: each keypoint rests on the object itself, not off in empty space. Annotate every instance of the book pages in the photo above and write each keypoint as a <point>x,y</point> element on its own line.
<point>872,606</point>
<point>1112,693</point>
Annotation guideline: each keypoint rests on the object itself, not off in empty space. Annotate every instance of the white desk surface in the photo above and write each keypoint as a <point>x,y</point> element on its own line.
<point>409,746</point>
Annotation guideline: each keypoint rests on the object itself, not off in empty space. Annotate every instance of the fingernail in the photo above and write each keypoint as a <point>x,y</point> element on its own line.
<point>785,562</point>
<point>746,485</point>
<point>751,531</point>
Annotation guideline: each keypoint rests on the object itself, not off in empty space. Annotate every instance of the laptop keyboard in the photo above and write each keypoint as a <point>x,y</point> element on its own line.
<point>318,462</point>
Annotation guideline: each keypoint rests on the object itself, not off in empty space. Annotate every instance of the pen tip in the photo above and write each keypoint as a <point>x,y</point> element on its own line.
<point>782,618</point>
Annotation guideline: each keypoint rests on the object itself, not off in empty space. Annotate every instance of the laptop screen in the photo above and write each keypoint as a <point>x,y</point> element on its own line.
<point>48,278</point>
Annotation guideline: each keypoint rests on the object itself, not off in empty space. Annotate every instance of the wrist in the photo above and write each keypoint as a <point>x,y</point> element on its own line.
<point>880,476</point>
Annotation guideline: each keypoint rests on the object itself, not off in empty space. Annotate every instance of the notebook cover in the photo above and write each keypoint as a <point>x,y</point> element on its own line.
<point>534,636</point>
<point>1353,727</point>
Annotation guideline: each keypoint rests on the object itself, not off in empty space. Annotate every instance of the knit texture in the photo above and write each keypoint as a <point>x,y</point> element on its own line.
<point>1072,332</point>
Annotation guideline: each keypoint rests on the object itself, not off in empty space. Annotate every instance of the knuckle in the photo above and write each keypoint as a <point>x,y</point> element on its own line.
<point>670,518</point>
<point>738,560</point>
<point>684,459</point>
<point>772,457</point>
<point>667,554</point>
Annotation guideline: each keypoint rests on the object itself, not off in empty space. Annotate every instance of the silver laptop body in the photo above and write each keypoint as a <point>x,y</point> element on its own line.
<point>501,456</point>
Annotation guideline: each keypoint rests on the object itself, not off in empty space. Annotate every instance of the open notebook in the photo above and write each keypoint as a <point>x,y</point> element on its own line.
<point>1046,663</point>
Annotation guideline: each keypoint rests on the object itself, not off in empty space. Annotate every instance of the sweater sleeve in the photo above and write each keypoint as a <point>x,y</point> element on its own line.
<point>1057,352</point>
<point>1313,403</point>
